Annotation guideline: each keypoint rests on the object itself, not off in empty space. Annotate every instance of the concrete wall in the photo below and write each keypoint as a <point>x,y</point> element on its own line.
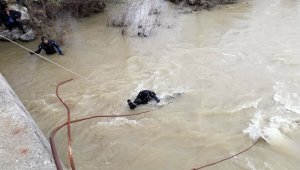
<point>22,144</point>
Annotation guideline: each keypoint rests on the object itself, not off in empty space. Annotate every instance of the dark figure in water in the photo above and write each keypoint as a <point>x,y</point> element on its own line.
<point>10,18</point>
<point>143,98</point>
<point>49,46</point>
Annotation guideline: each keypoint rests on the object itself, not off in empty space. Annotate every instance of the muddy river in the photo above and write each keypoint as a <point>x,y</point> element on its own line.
<point>222,69</point>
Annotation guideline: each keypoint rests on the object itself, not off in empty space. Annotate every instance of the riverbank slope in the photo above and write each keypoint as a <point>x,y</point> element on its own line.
<point>22,144</point>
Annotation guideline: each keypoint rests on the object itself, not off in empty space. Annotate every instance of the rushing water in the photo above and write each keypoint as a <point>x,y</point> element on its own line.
<point>233,65</point>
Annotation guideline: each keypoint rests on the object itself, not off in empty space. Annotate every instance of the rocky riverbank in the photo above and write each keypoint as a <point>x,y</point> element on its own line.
<point>49,18</point>
<point>17,34</point>
<point>54,19</point>
<point>203,4</point>
<point>22,144</point>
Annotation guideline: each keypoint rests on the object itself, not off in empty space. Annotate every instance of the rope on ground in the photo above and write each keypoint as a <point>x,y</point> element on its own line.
<point>52,135</point>
<point>46,59</point>
<point>222,160</point>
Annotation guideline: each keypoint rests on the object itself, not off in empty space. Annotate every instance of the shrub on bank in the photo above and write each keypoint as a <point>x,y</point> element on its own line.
<point>203,4</point>
<point>55,18</point>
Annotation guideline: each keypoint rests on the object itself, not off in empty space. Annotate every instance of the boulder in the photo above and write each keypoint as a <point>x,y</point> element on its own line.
<point>17,34</point>
<point>13,35</point>
<point>6,34</point>
<point>28,36</point>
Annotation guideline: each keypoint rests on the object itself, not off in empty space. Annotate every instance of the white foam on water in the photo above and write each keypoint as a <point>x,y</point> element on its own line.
<point>281,142</point>
<point>119,121</point>
<point>261,126</point>
<point>254,128</point>
<point>283,124</point>
<point>274,127</point>
<point>171,95</point>
<point>247,105</point>
<point>268,166</point>
<point>289,100</point>
<point>123,121</point>
<point>250,164</point>
<point>273,130</point>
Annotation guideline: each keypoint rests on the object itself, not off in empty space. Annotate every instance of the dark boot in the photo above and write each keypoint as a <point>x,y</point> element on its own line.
<point>131,105</point>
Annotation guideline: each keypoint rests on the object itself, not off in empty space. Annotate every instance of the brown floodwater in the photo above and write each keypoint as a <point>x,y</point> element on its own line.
<point>231,66</point>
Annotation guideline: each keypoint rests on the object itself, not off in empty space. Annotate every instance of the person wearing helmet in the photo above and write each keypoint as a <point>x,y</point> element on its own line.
<point>50,47</point>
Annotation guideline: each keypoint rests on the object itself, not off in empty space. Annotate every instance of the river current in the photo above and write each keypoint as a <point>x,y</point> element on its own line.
<point>231,74</point>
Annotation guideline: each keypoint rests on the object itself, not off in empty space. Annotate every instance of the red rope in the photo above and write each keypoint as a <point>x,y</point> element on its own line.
<point>69,122</point>
<point>222,160</point>
<point>52,135</point>
<point>69,125</point>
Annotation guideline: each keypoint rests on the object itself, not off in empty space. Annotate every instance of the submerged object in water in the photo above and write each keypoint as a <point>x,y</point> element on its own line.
<point>143,97</point>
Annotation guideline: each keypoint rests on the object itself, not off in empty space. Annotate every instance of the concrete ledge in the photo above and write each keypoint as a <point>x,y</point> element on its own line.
<point>22,145</point>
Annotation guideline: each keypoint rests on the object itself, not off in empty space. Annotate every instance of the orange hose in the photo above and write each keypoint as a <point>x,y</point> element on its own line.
<point>222,160</point>
<point>69,125</point>
<point>69,122</point>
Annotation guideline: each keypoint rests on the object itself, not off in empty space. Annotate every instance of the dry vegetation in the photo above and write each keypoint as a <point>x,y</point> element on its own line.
<point>55,18</point>
<point>136,18</point>
<point>203,4</point>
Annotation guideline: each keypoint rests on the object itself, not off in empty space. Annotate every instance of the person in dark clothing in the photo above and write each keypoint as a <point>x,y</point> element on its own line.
<point>11,18</point>
<point>49,46</point>
<point>143,97</point>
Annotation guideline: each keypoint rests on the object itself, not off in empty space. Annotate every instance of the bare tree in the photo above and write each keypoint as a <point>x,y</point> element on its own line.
<point>54,18</point>
<point>137,18</point>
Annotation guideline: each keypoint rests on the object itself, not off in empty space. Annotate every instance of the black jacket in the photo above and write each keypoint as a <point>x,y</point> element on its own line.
<point>14,15</point>
<point>49,48</point>
<point>145,96</point>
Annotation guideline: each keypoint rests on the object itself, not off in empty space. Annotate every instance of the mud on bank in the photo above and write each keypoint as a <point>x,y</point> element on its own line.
<point>203,4</point>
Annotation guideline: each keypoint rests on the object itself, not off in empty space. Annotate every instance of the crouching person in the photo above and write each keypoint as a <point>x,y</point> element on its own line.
<point>11,18</point>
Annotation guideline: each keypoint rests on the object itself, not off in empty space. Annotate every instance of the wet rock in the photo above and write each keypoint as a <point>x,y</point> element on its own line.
<point>28,36</point>
<point>17,34</point>
<point>13,35</point>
